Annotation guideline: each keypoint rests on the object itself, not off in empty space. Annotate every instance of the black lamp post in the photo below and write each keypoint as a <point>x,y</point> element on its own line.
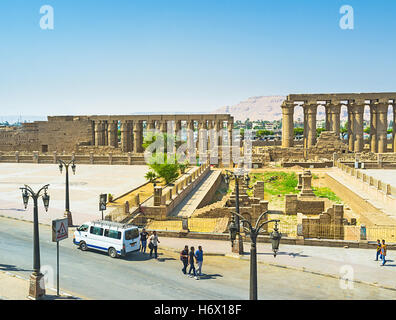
<point>253,233</point>
<point>73,166</point>
<point>37,287</point>
<point>239,247</point>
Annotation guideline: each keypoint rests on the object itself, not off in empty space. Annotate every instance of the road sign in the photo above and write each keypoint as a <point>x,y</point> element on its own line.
<point>102,202</point>
<point>60,229</point>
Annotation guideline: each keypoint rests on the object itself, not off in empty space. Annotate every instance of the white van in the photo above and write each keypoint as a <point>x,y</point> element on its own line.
<point>115,238</point>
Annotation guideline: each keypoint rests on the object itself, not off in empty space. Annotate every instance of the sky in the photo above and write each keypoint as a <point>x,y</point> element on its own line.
<point>122,57</point>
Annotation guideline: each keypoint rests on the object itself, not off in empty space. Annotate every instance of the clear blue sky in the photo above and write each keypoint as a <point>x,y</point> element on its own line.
<point>118,57</point>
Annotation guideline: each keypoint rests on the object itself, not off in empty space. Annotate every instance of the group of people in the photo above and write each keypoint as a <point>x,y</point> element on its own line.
<point>189,258</point>
<point>153,242</point>
<point>381,251</point>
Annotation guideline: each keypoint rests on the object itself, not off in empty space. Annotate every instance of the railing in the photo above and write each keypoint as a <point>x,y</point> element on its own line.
<point>386,188</point>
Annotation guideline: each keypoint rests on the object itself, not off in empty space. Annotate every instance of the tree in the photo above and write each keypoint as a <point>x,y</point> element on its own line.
<point>298,131</point>
<point>344,130</point>
<point>367,130</point>
<point>168,171</point>
<point>151,176</point>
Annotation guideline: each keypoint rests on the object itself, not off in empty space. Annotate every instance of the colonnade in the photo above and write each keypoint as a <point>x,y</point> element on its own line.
<point>355,103</point>
<point>105,129</point>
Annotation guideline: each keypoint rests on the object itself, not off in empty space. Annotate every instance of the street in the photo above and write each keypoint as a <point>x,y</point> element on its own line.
<point>95,275</point>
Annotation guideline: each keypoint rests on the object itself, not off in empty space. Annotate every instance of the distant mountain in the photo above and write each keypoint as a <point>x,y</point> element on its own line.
<point>269,108</point>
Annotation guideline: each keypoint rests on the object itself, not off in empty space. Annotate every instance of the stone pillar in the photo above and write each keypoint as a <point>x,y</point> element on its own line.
<point>219,130</point>
<point>305,136</point>
<point>113,134</point>
<point>373,128</point>
<point>178,129</point>
<point>287,125</point>
<point>335,111</point>
<point>311,115</point>
<point>105,133</point>
<point>329,119</point>
<point>382,126</point>
<point>358,127</point>
<point>126,136</point>
<point>137,136</point>
<point>351,129</point>
<point>190,142</point>
<point>203,140</point>
<point>163,126</point>
<point>230,127</point>
<point>97,133</point>
<point>394,126</point>
<point>151,125</point>
<point>93,132</point>
<point>307,184</point>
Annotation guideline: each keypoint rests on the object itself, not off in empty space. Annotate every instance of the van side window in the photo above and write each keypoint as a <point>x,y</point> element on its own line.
<point>112,234</point>
<point>96,230</point>
<point>83,228</point>
<point>131,234</point>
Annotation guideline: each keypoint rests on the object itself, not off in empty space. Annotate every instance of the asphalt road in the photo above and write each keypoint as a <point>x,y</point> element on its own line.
<point>97,276</point>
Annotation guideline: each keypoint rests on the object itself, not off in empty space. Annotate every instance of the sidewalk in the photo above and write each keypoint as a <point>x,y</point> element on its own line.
<point>327,261</point>
<point>15,287</point>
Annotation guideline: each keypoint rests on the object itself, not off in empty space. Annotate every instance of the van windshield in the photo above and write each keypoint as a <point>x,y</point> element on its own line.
<point>131,234</point>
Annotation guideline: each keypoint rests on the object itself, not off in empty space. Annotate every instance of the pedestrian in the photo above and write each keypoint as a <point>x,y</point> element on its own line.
<point>143,240</point>
<point>184,259</point>
<point>383,252</point>
<point>191,260</point>
<point>378,250</point>
<point>153,244</point>
<point>199,258</point>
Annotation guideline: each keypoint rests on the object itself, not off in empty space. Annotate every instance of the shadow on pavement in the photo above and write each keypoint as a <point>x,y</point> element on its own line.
<point>210,276</point>
<point>55,297</point>
<point>292,254</point>
<point>9,267</point>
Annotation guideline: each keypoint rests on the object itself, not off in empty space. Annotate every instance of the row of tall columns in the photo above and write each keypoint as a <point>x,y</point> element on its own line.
<point>378,125</point>
<point>105,133</point>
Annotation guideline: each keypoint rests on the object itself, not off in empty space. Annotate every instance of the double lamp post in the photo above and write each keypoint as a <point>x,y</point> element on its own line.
<point>253,232</point>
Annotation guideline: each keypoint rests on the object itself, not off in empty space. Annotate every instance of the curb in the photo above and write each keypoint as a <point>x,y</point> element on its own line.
<point>303,269</point>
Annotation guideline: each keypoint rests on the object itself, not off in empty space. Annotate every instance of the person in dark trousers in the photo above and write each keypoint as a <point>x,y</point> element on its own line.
<point>199,258</point>
<point>143,240</point>
<point>378,250</point>
<point>191,260</point>
<point>153,244</point>
<point>383,252</point>
<point>184,259</point>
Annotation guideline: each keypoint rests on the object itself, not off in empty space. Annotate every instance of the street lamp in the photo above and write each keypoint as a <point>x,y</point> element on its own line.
<point>73,166</point>
<point>253,233</point>
<point>236,175</point>
<point>36,288</point>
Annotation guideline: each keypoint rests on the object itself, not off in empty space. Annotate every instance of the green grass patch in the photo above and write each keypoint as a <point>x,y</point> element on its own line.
<point>277,183</point>
<point>326,193</point>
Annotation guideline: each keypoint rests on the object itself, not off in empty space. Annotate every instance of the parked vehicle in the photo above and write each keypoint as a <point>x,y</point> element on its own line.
<point>115,238</point>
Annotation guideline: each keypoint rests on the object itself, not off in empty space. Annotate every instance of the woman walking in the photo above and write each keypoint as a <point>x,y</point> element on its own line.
<point>191,260</point>
<point>153,244</point>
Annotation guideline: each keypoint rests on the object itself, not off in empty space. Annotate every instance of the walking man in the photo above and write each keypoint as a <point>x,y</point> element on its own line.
<point>383,252</point>
<point>184,259</point>
<point>143,240</point>
<point>378,250</point>
<point>192,267</point>
<point>153,245</point>
<point>199,258</point>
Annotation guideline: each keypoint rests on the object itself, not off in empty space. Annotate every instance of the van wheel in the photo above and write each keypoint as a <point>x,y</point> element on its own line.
<point>83,246</point>
<point>112,253</point>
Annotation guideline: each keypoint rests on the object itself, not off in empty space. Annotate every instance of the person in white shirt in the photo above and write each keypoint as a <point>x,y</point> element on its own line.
<point>153,244</point>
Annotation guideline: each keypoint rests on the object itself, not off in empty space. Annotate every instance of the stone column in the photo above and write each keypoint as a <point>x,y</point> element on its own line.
<point>210,134</point>
<point>351,129</point>
<point>219,130</point>
<point>287,125</point>
<point>329,119</point>
<point>151,125</point>
<point>105,133</point>
<point>97,133</point>
<point>230,128</point>
<point>163,126</point>
<point>358,110</point>
<point>394,126</point>
<point>137,136</point>
<point>93,132</point>
<point>305,136</point>
<point>178,128</point>
<point>335,111</point>
<point>126,136</point>
<point>311,134</point>
<point>373,128</point>
<point>190,141</point>
<point>382,126</point>
<point>112,134</point>
<point>202,140</point>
